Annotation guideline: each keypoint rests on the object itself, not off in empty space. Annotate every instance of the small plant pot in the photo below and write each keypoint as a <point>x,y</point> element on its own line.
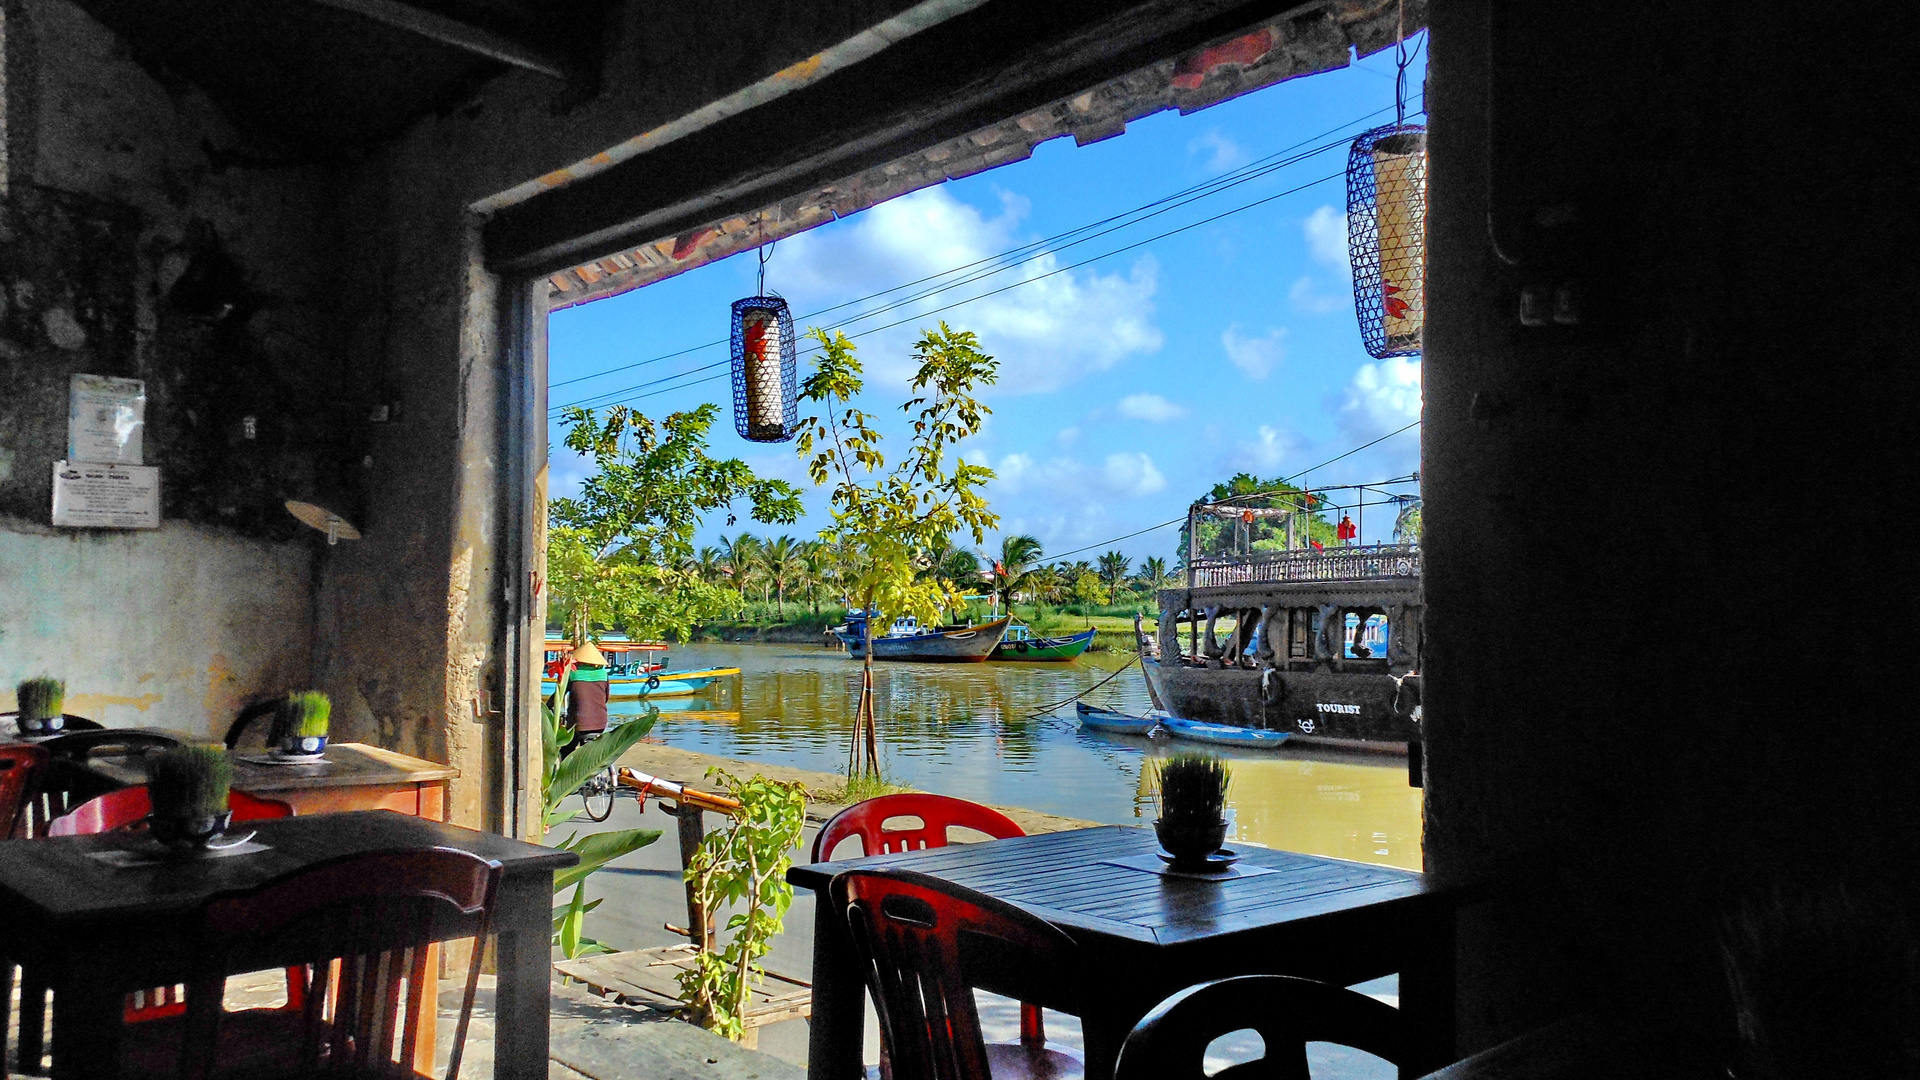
<point>302,745</point>
<point>189,832</point>
<point>42,725</point>
<point>1190,842</point>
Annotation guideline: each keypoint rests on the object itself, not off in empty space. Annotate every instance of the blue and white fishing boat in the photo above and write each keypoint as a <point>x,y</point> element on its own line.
<point>634,670</point>
<point>1225,734</point>
<point>1116,723</point>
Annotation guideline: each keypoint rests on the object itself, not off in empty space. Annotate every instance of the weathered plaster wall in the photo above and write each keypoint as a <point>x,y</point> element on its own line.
<point>1686,485</point>
<point>125,251</point>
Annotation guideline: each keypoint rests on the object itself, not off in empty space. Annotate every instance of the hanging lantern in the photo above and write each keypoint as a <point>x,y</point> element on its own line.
<point>766,405</point>
<point>1387,236</point>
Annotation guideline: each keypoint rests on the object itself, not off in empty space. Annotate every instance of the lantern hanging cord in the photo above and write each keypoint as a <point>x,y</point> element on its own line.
<point>765,253</point>
<point>1401,60</point>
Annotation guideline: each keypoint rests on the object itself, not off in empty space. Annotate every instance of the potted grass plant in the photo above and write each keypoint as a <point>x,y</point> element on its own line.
<point>300,723</point>
<point>188,786</point>
<point>1193,801</point>
<point>42,703</point>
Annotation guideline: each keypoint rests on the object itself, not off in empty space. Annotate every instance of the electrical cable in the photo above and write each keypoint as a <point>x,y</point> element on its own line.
<point>1250,171</point>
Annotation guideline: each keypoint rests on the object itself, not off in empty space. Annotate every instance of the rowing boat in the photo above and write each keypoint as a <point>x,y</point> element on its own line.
<point>1225,734</point>
<point>1115,723</point>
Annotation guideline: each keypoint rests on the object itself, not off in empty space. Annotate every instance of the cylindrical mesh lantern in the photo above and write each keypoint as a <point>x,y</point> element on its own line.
<point>1387,236</point>
<point>766,391</point>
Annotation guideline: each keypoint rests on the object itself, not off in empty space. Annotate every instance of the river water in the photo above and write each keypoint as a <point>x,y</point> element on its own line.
<point>968,730</point>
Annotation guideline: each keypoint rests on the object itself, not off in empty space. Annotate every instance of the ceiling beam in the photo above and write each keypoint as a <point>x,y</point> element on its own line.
<point>459,35</point>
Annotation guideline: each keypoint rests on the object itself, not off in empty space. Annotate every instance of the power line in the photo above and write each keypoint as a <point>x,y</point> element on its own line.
<point>1252,170</point>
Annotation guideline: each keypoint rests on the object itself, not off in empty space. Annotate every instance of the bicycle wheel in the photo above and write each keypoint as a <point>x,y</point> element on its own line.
<point>596,795</point>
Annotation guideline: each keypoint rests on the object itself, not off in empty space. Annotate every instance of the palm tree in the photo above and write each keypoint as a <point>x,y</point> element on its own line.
<point>1112,572</point>
<point>779,565</point>
<point>1153,574</point>
<point>1014,567</point>
<point>1044,583</point>
<point>709,565</point>
<point>740,554</point>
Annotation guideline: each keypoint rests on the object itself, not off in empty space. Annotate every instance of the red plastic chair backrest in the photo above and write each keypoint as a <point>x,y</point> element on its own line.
<point>375,913</point>
<point>129,806</point>
<point>19,764</point>
<point>907,929</point>
<point>1171,1042</point>
<point>937,814</point>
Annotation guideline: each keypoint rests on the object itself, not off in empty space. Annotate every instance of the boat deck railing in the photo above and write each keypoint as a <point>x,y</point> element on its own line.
<point>1372,563</point>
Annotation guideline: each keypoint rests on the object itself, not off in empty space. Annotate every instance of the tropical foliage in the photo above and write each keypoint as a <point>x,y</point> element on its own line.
<point>893,516</point>
<point>560,778</point>
<point>743,866</point>
<point>621,553</point>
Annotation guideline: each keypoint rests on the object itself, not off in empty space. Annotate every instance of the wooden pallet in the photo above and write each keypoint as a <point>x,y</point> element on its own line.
<point>650,978</point>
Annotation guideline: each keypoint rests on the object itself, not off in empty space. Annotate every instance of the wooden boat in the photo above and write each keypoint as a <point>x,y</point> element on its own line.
<point>1114,723</point>
<point>635,670</point>
<point>1224,734</point>
<point>946,645</point>
<point>1021,643</point>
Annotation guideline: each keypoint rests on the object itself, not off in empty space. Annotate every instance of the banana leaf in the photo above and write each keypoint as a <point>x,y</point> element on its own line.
<point>597,850</point>
<point>566,777</point>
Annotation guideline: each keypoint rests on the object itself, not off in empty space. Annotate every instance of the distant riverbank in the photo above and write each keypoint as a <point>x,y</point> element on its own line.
<point>1112,632</point>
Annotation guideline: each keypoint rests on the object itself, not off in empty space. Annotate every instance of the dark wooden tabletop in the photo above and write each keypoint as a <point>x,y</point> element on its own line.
<point>1065,878</point>
<point>54,881</point>
<point>346,765</point>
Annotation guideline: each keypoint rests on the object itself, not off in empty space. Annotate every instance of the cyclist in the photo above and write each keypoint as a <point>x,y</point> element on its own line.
<point>586,696</point>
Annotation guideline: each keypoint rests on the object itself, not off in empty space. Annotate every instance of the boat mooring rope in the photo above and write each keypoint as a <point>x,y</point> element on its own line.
<point>1068,700</point>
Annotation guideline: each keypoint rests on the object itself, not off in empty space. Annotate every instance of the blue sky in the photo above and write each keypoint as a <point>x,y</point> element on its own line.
<point>1128,385</point>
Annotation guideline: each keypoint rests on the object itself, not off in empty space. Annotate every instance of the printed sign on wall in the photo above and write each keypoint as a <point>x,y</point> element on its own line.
<point>106,496</point>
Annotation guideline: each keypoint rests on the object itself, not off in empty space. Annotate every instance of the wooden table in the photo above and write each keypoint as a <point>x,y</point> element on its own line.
<point>1143,936</point>
<point>355,776</point>
<point>100,933</point>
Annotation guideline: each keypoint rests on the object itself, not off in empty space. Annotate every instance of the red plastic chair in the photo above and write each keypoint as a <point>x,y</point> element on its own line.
<point>1170,1043</point>
<point>365,923</point>
<point>127,808</point>
<point>907,929</point>
<point>19,765</point>
<point>936,813</point>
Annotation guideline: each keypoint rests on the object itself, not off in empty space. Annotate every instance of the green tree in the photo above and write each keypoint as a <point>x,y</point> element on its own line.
<point>1045,584</point>
<point>780,566</point>
<point>1407,523</point>
<point>1013,568</point>
<point>741,556</point>
<point>891,516</point>
<point>617,554</point>
<point>1153,574</point>
<point>1113,571</point>
<point>1087,588</point>
<point>1221,536</point>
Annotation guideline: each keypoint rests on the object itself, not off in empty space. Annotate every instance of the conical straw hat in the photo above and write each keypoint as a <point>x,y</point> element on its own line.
<point>587,654</point>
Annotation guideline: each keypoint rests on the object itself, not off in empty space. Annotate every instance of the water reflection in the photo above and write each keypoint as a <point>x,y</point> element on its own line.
<point>970,730</point>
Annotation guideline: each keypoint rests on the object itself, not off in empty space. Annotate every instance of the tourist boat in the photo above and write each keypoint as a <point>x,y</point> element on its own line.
<point>1021,643</point>
<point>635,669</point>
<point>910,641</point>
<point>1115,723</point>
<point>1224,734</point>
<point>1325,644</point>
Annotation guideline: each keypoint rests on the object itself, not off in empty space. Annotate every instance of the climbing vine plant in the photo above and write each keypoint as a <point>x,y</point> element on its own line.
<point>744,867</point>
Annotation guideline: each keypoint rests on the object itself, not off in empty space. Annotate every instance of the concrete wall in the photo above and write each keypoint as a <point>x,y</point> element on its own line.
<point>111,201</point>
<point>1688,485</point>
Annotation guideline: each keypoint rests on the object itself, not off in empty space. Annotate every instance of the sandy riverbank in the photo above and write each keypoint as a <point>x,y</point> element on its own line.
<point>688,766</point>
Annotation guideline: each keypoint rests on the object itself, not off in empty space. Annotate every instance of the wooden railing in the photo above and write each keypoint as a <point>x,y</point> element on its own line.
<point>1334,564</point>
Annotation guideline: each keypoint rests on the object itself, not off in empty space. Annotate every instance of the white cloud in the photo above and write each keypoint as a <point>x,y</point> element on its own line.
<point>1067,436</point>
<point>1070,481</point>
<point>1265,452</point>
<point>1382,397</point>
<point>1307,297</point>
<point>1222,153</point>
<point>1151,407</point>
<point>1132,473</point>
<point>1255,356</point>
<point>1047,334</point>
<point>1326,231</point>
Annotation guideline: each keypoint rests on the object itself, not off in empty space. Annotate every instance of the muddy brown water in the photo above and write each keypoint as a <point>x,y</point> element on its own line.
<point>969,730</point>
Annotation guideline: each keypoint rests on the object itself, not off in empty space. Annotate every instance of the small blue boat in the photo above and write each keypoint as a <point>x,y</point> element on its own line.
<point>1114,723</point>
<point>1224,734</point>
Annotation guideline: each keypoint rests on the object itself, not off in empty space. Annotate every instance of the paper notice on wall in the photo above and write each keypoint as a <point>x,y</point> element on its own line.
<point>106,496</point>
<point>107,420</point>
